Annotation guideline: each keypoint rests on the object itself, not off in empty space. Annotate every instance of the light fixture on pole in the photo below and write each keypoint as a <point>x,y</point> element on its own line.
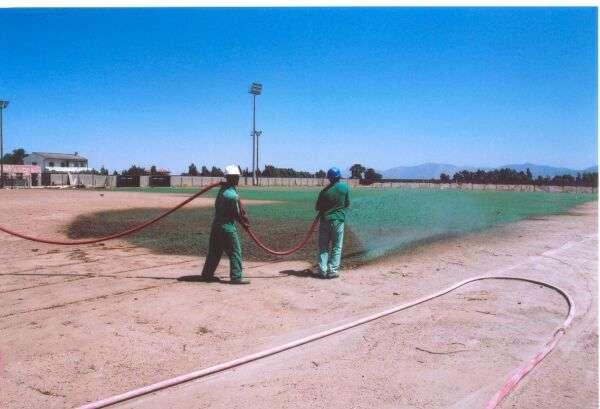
<point>3,105</point>
<point>255,89</point>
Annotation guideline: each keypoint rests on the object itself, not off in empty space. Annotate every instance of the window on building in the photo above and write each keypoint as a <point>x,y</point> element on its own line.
<point>19,176</point>
<point>34,163</point>
<point>51,164</point>
<point>62,164</point>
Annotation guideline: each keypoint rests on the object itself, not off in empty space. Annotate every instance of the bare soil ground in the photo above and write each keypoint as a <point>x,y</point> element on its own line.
<point>82,323</point>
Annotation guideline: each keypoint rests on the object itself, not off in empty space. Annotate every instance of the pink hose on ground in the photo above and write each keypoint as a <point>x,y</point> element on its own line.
<point>492,403</point>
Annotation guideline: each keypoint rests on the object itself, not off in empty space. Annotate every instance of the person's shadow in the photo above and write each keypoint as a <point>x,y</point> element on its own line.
<point>197,279</point>
<point>307,272</point>
<point>296,273</point>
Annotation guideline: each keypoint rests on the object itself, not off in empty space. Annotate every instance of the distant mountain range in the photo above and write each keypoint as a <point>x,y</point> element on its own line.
<point>433,170</point>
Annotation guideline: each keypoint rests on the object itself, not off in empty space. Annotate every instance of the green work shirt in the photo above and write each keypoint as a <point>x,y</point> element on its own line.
<point>333,201</point>
<point>227,208</point>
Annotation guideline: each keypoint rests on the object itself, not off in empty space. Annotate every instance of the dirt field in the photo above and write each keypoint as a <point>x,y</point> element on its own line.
<point>82,323</point>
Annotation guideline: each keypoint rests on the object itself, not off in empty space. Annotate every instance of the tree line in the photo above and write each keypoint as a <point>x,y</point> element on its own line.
<point>508,176</point>
<point>269,171</point>
<point>358,171</point>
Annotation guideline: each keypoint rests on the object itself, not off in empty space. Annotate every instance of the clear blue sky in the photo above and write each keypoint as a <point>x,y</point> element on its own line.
<point>383,87</point>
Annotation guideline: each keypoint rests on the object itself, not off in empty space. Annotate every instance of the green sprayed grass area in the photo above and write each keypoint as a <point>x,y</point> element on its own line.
<point>380,221</point>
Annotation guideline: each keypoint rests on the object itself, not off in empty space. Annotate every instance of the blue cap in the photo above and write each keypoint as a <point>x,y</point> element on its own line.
<point>334,173</point>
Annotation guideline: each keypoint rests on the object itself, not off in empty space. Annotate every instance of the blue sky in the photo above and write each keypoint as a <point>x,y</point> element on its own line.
<point>383,87</point>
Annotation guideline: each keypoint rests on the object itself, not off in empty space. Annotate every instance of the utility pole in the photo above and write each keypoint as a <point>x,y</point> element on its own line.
<point>3,105</point>
<point>255,89</point>
<point>258,134</point>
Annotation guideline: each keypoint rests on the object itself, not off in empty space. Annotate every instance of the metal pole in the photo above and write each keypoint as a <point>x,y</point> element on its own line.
<point>1,152</point>
<point>253,140</point>
<point>257,166</point>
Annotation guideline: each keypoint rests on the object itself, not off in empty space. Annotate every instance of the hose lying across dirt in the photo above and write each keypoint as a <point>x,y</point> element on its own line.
<point>116,235</point>
<point>295,248</point>
<point>492,403</point>
<point>141,226</point>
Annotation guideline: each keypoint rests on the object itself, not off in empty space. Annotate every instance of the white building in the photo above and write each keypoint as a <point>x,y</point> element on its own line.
<point>57,162</point>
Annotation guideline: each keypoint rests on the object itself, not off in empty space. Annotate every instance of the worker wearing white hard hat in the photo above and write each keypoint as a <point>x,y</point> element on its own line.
<point>223,234</point>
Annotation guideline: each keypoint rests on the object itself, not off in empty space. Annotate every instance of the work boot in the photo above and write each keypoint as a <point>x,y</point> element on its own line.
<point>239,281</point>
<point>335,275</point>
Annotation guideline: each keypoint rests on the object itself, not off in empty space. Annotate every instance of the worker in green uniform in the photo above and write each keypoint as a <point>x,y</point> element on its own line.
<point>223,233</point>
<point>332,203</point>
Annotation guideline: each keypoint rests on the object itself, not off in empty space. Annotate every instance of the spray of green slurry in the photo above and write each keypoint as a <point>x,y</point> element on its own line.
<point>380,221</point>
<point>393,219</point>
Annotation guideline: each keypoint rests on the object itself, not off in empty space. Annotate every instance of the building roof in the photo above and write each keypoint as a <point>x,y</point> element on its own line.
<point>66,156</point>
<point>25,169</point>
<point>64,169</point>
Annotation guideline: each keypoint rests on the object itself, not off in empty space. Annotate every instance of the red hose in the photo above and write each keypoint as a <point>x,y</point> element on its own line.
<point>116,235</point>
<point>134,229</point>
<point>295,248</point>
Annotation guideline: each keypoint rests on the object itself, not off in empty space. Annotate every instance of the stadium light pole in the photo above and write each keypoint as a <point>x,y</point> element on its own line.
<point>3,105</point>
<point>255,89</point>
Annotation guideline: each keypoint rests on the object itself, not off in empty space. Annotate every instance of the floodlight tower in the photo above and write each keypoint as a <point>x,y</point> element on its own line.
<point>255,89</point>
<point>3,105</point>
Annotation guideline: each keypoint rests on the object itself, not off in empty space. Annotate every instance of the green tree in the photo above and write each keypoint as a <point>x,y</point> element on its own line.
<point>370,174</point>
<point>356,171</point>
<point>216,171</point>
<point>14,158</point>
<point>192,170</point>
<point>204,171</point>
<point>134,171</point>
<point>321,174</point>
<point>444,178</point>
<point>103,170</point>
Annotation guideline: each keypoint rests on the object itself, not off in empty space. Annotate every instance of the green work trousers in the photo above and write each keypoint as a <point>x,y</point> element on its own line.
<point>330,232</point>
<point>227,240</point>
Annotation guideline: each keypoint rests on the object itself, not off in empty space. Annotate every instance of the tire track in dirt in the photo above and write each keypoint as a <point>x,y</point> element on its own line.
<point>78,263</point>
<point>91,275</point>
<point>89,299</point>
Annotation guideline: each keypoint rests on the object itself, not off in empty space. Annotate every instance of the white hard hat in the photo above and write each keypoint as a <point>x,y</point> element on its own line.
<point>232,170</point>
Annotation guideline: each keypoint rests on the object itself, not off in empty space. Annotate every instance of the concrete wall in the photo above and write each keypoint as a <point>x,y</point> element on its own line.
<point>59,179</point>
<point>290,182</point>
<point>93,181</point>
<point>199,181</point>
<point>89,181</point>
<point>195,181</point>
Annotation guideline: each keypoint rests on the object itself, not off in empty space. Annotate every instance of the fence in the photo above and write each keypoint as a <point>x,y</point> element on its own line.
<point>95,181</point>
<point>484,187</point>
<point>77,179</point>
